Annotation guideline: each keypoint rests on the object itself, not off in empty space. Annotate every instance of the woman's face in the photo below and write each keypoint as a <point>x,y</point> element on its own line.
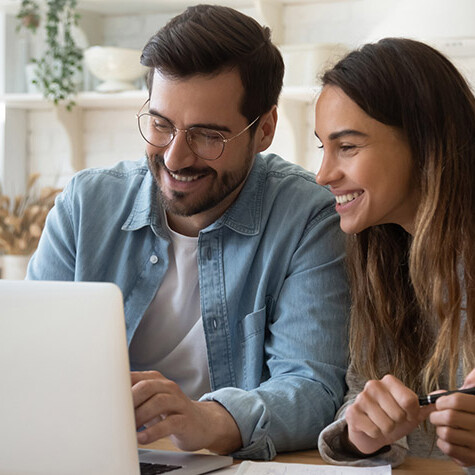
<point>367,165</point>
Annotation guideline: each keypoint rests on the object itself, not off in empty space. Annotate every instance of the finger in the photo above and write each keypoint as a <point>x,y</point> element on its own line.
<point>462,455</point>
<point>460,437</point>
<point>453,418</point>
<point>359,420</point>
<point>457,401</point>
<point>143,390</point>
<point>136,376</point>
<point>403,405</point>
<point>159,406</point>
<point>401,408</point>
<point>397,403</point>
<point>469,380</point>
<point>172,424</point>
<point>425,412</point>
<point>154,421</point>
<point>147,388</point>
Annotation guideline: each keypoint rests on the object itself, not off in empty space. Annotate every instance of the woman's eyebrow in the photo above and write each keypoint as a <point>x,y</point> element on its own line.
<point>345,132</point>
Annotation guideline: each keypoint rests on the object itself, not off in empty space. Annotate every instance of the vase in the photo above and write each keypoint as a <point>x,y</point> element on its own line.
<point>14,266</point>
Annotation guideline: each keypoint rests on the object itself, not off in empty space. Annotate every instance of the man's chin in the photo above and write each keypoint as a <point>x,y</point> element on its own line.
<point>179,207</point>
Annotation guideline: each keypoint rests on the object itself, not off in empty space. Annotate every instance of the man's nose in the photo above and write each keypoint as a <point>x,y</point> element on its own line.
<point>178,154</point>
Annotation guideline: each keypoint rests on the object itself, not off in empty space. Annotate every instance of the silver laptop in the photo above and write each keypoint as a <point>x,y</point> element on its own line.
<point>65,400</point>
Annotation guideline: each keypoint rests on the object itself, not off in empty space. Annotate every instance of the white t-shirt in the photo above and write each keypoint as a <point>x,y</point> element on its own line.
<point>170,337</point>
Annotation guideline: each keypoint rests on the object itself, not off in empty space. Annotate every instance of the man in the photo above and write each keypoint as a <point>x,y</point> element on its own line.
<point>230,263</point>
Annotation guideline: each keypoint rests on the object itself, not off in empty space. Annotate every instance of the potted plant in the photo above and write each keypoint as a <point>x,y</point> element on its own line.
<point>22,221</point>
<point>58,68</point>
<point>29,15</point>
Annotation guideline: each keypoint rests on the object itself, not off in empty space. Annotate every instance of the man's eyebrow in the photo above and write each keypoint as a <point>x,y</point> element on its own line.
<point>218,127</point>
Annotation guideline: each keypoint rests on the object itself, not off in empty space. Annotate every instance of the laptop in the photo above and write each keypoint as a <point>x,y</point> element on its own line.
<point>65,400</point>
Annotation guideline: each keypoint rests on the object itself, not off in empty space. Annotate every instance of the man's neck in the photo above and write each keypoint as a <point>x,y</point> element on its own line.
<point>192,225</point>
<point>185,225</point>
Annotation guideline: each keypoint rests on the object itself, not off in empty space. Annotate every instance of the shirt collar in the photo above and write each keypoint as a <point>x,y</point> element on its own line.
<point>145,209</point>
<point>243,216</point>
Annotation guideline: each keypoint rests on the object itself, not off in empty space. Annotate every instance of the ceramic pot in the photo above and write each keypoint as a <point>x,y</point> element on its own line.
<point>14,266</point>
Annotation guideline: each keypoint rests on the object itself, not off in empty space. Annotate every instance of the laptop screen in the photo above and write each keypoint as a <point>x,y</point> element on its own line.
<point>66,405</point>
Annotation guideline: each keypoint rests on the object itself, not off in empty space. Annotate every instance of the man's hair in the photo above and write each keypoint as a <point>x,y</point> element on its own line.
<point>210,39</point>
<point>403,286</point>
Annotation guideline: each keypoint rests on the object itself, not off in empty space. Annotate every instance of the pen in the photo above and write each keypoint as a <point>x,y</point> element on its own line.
<point>431,398</point>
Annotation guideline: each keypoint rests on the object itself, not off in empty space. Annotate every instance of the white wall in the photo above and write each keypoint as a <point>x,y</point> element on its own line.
<point>358,21</point>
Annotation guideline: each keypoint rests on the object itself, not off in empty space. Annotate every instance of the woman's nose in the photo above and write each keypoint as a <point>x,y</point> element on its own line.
<point>328,172</point>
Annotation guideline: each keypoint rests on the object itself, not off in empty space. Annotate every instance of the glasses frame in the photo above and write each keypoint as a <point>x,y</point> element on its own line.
<point>176,130</point>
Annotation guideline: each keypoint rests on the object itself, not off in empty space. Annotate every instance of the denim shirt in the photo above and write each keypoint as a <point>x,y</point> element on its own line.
<point>273,290</point>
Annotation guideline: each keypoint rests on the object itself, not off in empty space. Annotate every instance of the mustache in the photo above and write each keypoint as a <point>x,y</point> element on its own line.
<point>188,171</point>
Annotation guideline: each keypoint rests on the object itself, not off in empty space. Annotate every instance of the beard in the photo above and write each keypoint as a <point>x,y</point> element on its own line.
<point>184,204</point>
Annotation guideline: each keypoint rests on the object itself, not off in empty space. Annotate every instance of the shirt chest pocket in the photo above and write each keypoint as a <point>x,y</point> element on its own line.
<point>253,335</point>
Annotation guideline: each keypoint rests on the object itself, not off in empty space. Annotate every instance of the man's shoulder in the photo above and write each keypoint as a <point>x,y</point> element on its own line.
<point>286,179</point>
<point>114,180</point>
<point>108,190</point>
<point>120,171</point>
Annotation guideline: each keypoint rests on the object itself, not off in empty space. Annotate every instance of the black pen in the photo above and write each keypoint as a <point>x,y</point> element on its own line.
<point>431,398</point>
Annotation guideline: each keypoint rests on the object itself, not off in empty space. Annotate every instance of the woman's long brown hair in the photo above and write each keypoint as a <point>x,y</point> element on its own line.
<point>413,311</point>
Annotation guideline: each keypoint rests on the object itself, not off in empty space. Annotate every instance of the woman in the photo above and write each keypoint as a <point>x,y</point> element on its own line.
<point>397,125</point>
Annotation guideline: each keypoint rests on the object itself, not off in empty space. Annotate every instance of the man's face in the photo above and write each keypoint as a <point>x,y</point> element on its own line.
<point>190,186</point>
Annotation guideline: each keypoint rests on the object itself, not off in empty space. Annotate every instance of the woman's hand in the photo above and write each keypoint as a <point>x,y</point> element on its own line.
<point>382,413</point>
<point>454,420</point>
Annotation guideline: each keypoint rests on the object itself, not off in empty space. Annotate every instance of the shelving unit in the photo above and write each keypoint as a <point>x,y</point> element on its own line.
<point>17,105</point>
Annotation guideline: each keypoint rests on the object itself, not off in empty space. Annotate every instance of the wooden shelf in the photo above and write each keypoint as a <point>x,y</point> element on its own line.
<point>84,100</point>
<point>124,100</point>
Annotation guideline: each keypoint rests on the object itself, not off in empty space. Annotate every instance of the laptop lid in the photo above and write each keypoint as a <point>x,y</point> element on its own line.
<point>65,400</point>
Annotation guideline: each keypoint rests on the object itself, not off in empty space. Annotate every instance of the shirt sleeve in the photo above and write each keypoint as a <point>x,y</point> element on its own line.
<point>329,442</point>
<point>305,351</point>
<point>54,258</point>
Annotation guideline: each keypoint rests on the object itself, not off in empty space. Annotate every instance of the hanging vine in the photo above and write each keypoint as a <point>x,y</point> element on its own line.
<point>59,67</point>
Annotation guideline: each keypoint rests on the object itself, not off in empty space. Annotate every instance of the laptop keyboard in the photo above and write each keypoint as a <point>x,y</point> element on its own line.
<point>156,468</point>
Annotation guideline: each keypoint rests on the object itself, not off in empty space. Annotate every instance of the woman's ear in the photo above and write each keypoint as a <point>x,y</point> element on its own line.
<point>265,132</point>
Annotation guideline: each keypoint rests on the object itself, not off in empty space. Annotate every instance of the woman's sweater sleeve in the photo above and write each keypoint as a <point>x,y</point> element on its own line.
<point>329,441</point>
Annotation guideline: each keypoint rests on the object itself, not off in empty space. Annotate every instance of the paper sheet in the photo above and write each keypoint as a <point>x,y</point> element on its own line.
<point>277,468</point>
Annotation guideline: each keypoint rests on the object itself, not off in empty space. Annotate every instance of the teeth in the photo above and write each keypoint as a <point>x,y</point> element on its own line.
<point>184,178</point>
<point>343,199</point>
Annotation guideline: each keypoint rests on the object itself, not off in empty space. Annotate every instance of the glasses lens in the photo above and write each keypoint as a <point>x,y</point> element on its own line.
<point>206,143</point>
<point>155,130</point>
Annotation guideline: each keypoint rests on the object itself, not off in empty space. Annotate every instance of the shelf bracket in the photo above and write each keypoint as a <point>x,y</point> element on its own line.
<point>71,121</point>
<point>271,12</point>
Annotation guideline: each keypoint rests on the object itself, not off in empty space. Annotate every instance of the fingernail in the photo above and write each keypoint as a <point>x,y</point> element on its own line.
<point>141,437</point>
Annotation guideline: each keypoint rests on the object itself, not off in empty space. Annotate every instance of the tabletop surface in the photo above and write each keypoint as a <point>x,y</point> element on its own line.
<point>411,465</point>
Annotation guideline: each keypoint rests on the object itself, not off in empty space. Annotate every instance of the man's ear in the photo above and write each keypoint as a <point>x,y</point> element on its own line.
<point>265,132</point>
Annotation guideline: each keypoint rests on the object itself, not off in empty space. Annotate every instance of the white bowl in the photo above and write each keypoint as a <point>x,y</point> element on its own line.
<point>117,67</point>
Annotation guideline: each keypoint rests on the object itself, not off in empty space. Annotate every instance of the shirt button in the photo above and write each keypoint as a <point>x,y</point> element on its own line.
<point>215,323</point>
<point>153,259</point>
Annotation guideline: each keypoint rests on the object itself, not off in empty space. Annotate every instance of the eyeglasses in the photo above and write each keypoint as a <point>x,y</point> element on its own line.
<point>205,143</point>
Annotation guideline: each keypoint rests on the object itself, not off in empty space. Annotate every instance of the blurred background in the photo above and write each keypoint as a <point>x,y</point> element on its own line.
<point>100,129</point>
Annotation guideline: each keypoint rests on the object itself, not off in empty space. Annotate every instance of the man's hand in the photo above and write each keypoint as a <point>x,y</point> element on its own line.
<point>454,420</point>
<point>165,410</point>
<point>382,413</point>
